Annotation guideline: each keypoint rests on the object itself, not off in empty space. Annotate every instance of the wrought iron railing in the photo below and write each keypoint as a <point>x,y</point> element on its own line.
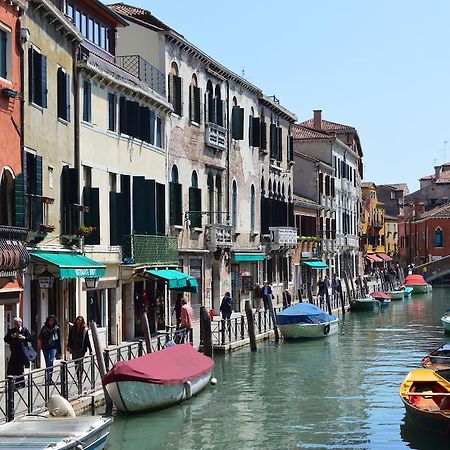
<point>150,249</point>
<point>142,69</point>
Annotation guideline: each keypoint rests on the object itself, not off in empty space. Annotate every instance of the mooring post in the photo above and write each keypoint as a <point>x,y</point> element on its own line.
<point>147,335</point>
<point>205,332</point>
<point>272,316</point>
<point>101,366</point>
<point>250,325</point>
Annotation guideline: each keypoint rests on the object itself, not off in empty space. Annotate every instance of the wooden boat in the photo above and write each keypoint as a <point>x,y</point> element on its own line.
<point>438,359</point>
<point>364,304</point>
<point>158,380</point>
<point>305,320</point>
<point>445,319</point>
<point>426,397</point>
<point>418,283</point>
<point>396,294</point>
<point>39,432</point>
<point>408,291</point>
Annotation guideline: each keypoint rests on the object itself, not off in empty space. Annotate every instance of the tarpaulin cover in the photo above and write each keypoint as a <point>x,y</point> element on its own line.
<point>173,365</point>
<point>379,294</point>
<point>414,279</point>
<point>303,313</point>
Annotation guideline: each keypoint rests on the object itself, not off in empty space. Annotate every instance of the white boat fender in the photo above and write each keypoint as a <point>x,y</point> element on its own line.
<point>59,407</point>
<point>326,329</point>
<point>188,389</point>
<point>213,381</point>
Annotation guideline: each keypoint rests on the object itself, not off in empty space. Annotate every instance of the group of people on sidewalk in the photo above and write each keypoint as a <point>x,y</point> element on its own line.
<point>49,341</point>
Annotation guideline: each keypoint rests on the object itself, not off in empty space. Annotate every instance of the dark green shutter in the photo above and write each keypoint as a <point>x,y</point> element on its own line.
<point>256,132</point>
<point>177,97</point>
<point>140,205</point>
<point>160,209</point>
<point>207,95</point>
<point>197,106</point>
<point>250,131</point>
<point>291,148</point>
<point>111,112</point>
<point>91,198</point>
<point>176,207</point>
<point>172,205</point>
<point>67,93</point>
<point>123,116</point>
<point>113,211</point>
<point>152,119</point>
<point>273,140</point>
<point>263,144</point>
<point>150,192</point>
<point>237,123</point>
<point>280,144</point>
<point>60,79</point>
<point>191,102</point>
<point>144,123</point>
<point>212,109</point>
<point>3,40</point>
<point>170,88</point>
<point>44,81</point>
<point>19,197</point>
<point>219,112</point>
<point>31,82</point>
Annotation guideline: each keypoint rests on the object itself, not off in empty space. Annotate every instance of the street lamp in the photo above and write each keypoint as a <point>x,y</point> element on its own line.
<point>46,280</point>
<point>91,282</point>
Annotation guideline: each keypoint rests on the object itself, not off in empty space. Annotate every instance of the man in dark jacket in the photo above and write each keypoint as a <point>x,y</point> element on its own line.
<point>226,307</point>
<point>17,337</point>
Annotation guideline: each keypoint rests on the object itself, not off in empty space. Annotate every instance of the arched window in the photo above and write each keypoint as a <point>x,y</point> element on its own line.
<point>252,209</point>
<point>195,202</point>
<point>175,199</point>
<point>175,89</point>
<point>438,237</point>
<point>234,204</point>
<point>7,198</point>
<point>194,100</point>
<point>210,111</point>
<point>237,121</point>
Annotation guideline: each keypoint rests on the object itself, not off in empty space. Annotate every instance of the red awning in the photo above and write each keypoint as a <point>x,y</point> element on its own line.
<point>374,258</point>
<point>175,364</point>
<point>384,257</point>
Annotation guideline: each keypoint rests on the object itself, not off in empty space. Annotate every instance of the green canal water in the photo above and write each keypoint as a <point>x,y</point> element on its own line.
<point>335,393</point>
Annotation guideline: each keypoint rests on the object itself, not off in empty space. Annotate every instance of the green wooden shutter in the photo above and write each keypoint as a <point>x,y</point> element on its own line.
<point>3,40</point>
<point>140,205</point>
<point>273,140</point>
<point>263,136</point>
<point>177,95</point>
<point>60,79</point>
<point>152,119</point>
<point>256,132</point>
<point>172,205</point>
<point>207,95</point>
<point>237,123</point>
<point>179,204</point>
<point>280,144</point>
<point>250,130</point>
<point>197,106</point>
<point>91,197</point>
<point>44,81</point>
<point>144,123</point>
<point>150,193</point>
<point>212,109</point>
<point>37,207</point>
<point>123,116</point>
<point>67,93</point>
<point>111,112</point>
<point>191,103</point>
<point>19,196</point>
<point>170,88</point>
<point>160,209</point>
<point>198,207</point>
<point>31,81</point>
<point>219,112</point>
<point>113,225</point>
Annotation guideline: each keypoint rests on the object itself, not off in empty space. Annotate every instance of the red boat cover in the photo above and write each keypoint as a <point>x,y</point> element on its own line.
<point>175,364</point>
<point>379,294</point>
<point>414,279</point>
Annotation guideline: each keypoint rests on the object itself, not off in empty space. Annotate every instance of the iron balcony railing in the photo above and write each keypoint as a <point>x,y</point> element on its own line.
<point>150,249</point>
<point>142,69</point>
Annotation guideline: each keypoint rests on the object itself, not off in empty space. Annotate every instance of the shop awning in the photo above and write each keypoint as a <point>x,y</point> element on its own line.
<point>384,257</point>
<point>316,264</point>
<point>248,257</point>
<point>176,280</point>
<point>374,258</point>
<point>71,265</point>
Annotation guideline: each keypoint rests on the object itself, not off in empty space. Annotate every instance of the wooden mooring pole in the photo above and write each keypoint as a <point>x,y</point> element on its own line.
<point>205,332</point>
<point>250,325</point>
<point>272,315</point>
<point>101,366</point>
<point>147,334</point>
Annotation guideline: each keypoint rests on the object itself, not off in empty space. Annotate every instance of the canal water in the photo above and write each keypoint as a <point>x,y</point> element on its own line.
<point>335,393</point>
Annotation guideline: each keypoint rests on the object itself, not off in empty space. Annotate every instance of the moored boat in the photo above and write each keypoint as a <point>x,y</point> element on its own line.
<point>39,432</point>
<point>305,320</point>
<point>418,283</point>
<point>382,297</point>
<point>158,380</point>
<point>445,319</point>
<point>438,359</point>
<point>426,397</point>
<point>408,291</point>
<point>396,294</point>
<point>364,304</point>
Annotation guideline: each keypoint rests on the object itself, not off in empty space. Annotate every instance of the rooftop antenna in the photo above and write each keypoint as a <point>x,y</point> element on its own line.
<point>444,150</point>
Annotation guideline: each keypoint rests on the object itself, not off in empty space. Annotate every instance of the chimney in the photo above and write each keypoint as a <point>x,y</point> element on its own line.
<point>318,119</point>
<point>437,172</point>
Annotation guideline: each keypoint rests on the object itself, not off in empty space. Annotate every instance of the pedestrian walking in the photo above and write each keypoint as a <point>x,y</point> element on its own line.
<point>177,309</point>
<point>323,289</point>
<point>79,343</point>
<point>336,286</point>
<point>50,343</point>
<point>17,337</point>
<point>226,307</point>
<point>267,295</point>
<point>287,299</point>
<point>187,318</point>
<point>257,297</point>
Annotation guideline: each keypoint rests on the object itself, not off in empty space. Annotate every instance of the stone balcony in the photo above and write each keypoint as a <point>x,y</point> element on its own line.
<point>219,236</point>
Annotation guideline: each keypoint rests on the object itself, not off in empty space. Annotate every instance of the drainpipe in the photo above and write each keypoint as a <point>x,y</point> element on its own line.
<point>228,150</point>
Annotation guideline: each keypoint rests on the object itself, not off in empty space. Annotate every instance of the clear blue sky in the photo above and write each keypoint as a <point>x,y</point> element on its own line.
<point>381,66</point>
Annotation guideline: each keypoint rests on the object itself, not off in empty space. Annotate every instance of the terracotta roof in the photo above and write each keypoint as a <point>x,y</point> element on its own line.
<point>328,126</point>
<point>302,132</point>
<point>141,14</point>
<point>440,211</point>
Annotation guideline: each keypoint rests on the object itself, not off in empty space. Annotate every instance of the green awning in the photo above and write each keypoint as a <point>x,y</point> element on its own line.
<point>72,265</point>
<point>248,257</point>
<point>316,264</point>
<point>176,280</point>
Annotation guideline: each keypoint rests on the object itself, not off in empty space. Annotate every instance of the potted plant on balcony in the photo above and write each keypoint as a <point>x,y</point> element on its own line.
<point>46,228</point>
<point>85,231</point>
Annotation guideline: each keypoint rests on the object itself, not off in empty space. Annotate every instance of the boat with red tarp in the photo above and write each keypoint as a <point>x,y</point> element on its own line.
<point>158,380</point>
<point>418,283</point>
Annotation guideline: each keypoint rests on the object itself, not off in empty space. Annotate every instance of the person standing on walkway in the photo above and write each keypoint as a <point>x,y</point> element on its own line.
<point>177,309</point>
<point>267,294</point>
<point>79,343</point>
<point>17,337</point>
<point>226,307</point>
<point>50,342</point>
<point>187,318</point>
<point>257,297</point>
<point>336,287</point>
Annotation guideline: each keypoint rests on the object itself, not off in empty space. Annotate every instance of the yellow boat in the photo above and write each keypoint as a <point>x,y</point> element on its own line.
<point>426,397</point>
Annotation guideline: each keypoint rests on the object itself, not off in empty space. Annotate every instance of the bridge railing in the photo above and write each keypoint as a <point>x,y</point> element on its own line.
<point>434,269</point>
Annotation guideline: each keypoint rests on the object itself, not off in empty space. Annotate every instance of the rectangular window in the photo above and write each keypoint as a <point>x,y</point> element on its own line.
<point>102,37</point>
<point>84,25</point>
<point>3,57</point>
<point>70,11</point>
<point>87,110</point>
<point>152,127</point>
<point>78,19</point>
<point>175,94</point>
<point>96,33</point>
<point>159,133</point>
<point>37,74</point>
<point>50,177</point>
<point>90,29</point>
<point>63,88</point>
<point>112,102</point>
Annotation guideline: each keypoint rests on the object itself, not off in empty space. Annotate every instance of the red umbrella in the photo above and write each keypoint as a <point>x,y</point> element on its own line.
<point>379,295</point>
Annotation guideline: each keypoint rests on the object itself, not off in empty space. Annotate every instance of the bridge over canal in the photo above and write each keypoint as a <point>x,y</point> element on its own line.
<point>434,269</point>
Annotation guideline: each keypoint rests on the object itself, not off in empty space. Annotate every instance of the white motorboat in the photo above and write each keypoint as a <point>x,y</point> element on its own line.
<point>418,283</point>
<point>445,319</point>
<point>397,294</point>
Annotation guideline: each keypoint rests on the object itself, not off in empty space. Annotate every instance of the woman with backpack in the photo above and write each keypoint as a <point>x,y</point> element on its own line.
<point>50,342</point>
